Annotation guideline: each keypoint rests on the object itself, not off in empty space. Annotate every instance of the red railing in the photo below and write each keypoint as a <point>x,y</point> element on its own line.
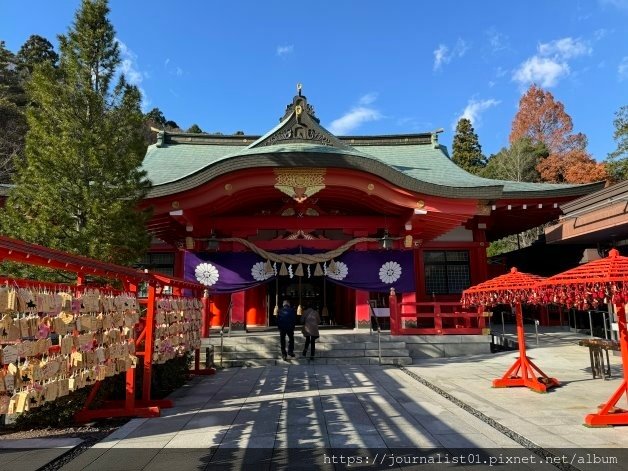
<point>446,318</point>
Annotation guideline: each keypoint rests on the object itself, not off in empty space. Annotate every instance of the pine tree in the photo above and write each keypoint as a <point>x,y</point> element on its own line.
<point>36,50</point>
<point>195,129</point>
<point>467,152</point>
<point>81,183</point>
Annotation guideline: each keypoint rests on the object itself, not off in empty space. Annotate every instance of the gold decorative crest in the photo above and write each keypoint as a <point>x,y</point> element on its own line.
<point>300,183</point>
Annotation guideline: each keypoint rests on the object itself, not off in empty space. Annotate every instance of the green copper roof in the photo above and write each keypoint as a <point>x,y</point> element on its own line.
<point>180,162</point>
<point>423,168</point>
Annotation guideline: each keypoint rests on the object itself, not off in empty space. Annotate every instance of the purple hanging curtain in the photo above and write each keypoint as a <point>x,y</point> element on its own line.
<point>375,271</point>
<point>226,272</point>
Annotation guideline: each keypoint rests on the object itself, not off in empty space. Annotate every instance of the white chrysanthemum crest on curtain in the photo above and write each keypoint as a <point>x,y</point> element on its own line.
<point>259,272</point>
<point>206,274</point>
<point>390,272</point>
<point>340,273</point>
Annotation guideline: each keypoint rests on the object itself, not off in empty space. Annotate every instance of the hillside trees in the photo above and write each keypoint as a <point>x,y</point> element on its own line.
<point>517,162</point>
<point>81,183</point>
<point>617,161</point>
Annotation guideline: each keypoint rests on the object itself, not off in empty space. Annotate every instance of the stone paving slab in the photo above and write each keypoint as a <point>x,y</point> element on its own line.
<point>33,453</point>
<point>276,417</point>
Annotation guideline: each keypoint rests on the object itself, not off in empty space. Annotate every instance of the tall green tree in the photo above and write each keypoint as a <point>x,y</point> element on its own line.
<point>81,183</point>
<point>617,161</point>
<point>35,51</point>
<point>467,152</point>
<point>195,128</point>
<point>517,162</point>
<point>12,119</point>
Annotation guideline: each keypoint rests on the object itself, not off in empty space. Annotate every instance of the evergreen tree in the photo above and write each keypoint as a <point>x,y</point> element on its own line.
<point>10,86</point>
<point>36,50</point>
<point>81,183</point>
<point>195,128</point>
<point>467,152</point>
<point>155,117</point>
<point>617,162</point>
<point>12,119</point>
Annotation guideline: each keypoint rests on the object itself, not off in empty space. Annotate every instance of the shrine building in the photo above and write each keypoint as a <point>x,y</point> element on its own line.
<point>332,222</point>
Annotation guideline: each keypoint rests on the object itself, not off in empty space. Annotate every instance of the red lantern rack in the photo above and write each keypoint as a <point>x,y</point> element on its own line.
<point>513,288</point>
<point>23,252</point>
<point>601,281</point>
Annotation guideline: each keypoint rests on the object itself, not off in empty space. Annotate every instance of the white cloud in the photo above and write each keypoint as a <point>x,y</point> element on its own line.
<point>622,69</point>
<point>550,64</point>
<point>353,120</point>
<point>621,4</point>
<point>368,99</point>
<point>443,55</point>
<point>166,62</point>
<point>440,56</point>
<point>474,109</point>
<point>601,33</point>
<point>497,40</point>
<point>128,66</point>
<point>565,48</point>
<point>179,72</point>
<point>283,50</point>
<point>546,72</point>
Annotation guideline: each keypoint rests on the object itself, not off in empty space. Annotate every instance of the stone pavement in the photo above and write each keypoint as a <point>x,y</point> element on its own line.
<point>249,417</point>
<point>34,453</point>
<point>306,415</point>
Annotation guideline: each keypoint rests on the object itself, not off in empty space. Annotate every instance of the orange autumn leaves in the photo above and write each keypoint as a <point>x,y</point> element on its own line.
<point>543,119</point>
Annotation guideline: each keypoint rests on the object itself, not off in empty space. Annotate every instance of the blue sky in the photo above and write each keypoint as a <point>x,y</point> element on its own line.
<point>367,67</point>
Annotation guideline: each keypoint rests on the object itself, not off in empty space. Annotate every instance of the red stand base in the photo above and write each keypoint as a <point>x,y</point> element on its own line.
<point>111,409</point>
<point>608,414</point>
<point>88,415</point>
<point>531,377</point>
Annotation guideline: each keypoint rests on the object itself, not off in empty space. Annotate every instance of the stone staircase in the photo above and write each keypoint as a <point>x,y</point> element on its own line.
<point>346,348</point>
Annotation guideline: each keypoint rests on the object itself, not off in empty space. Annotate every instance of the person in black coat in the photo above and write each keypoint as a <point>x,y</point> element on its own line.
<point>286,320</point>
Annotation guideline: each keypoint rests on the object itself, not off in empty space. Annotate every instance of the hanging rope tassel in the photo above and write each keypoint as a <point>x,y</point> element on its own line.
<point>299,310</point>
<point>332,267</point>
<point>276,310</point>
<point>318,271</point>
<point>299,270</point>
<point>283,271</point>
<point>268,268</point>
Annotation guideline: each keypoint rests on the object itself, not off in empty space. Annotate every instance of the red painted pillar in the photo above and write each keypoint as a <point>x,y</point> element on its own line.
<point>238,321</point>
<point>149,343</point>
<point>362,312</point>
<point>205,314</point>
<point>395,320</point>
<point>129,398</point>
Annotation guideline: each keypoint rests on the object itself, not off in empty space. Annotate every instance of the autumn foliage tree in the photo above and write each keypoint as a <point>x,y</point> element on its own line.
<point>543,119</point>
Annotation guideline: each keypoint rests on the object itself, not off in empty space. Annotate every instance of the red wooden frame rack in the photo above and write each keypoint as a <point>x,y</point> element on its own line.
<point>24,252</point>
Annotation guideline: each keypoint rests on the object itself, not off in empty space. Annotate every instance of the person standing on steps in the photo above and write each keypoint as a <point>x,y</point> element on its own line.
<point>311,319</point>
<point>286,320</point>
